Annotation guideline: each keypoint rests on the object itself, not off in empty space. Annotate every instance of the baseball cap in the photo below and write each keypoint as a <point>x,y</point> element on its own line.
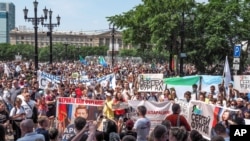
<point>107,94</point>
<point>130,123</point>
<point>239,99</point>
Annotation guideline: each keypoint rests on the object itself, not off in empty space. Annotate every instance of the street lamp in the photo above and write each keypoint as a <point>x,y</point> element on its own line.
<point>112,27</point>
<point>66,50</point>
<point>182,54</point>
<point>35,21</point>
<point>50,26</point>
<point>182,43</point>
<point>78,49</point>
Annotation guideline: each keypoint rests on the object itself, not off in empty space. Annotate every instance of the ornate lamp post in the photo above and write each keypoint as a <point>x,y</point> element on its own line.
<point>112,27</point>
<point>66,50</point>
<point>35,21</point>
<point>50,26</point>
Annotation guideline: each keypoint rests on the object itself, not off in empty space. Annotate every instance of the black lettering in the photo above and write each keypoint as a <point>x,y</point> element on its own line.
<point>43,82</point>
<point>200,123</point>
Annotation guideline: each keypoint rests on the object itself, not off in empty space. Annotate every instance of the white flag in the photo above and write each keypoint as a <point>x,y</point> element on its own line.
<point>6,70</point>
<point>227,74</point>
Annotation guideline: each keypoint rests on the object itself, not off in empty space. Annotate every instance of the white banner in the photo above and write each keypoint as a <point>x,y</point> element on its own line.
<point>156,111</point>
<point>151,83</point>
<point>44,78</point>
<point>184,107</point>
<point>242,83</point>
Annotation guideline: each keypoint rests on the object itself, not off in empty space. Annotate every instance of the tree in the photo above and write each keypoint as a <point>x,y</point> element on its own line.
<point>209,37</point>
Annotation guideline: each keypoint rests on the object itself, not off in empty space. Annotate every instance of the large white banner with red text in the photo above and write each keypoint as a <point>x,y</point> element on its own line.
<point>156,111</point>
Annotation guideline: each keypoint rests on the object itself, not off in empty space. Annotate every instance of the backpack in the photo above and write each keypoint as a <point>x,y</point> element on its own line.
<point>34,113</point>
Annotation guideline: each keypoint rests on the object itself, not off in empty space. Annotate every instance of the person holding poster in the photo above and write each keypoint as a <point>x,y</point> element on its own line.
<point>107,110</point>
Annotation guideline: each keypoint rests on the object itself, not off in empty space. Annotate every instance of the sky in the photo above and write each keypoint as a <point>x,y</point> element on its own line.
<point>76,15</point>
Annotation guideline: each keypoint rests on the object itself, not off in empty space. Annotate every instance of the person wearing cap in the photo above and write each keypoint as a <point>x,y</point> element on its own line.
<point>107,109</point>
<point>240,105</point>
<point>129,126</point>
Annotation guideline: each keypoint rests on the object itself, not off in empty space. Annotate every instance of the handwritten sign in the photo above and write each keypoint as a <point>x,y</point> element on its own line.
<point>151,83</point>
<point>242,83</point>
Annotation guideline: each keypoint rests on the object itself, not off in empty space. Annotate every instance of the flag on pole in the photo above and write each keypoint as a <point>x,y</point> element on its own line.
<point>6,70</point>
<point>102,61</point>
<point>226,74</point>
<point>83,61</point>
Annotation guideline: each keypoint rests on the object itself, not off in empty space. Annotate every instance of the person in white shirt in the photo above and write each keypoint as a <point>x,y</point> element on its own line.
<point>28,105</point>
<point>27,126</point>
<point>142,124</point>
<point>127,92</point>
<point>17,114</point>
<point>7,96</point>
<point>195,92</point>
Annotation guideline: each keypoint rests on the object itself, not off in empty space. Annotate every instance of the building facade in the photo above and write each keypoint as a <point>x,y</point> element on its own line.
<point>7,21</point>
<point>25,36</point>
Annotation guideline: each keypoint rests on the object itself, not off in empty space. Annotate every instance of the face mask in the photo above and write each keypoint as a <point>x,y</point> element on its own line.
<point>233,107</point>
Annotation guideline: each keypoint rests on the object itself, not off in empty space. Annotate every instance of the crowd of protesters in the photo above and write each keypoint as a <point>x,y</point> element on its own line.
<point>28,112</point>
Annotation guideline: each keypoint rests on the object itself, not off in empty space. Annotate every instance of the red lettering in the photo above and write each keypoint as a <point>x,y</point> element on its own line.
<point>78,100</point>
<point>158,112</point>
<point>66,100</point>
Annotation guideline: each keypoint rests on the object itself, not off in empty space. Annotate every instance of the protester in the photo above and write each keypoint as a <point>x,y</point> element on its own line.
<point>4,115</point>
<point>81,130</point>
<point>176,119</point>
<point>17,115</point>
<point>108,110</point>
<point>217,138</point>
<point>43,124</point>
<point>126,78</point>
<point>220,130</point>
<point>194,135</point>
<point>178,134</point>
<point>128,138</point>
<point>53,134</point>
<point>2,133</point>
<point>129,131</point>
<point>142,124</point>
<point>160,133</point>
<point>111,133</point>
<point>27,127</point>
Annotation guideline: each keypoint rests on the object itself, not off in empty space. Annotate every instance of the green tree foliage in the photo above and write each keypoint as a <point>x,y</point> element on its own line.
<point>8,52</point>
<point>210,36</point>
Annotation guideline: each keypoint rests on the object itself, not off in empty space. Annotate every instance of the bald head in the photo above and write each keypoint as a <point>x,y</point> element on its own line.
<point>27,125</point>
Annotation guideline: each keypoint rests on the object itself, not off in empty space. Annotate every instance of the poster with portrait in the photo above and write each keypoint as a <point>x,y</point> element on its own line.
<point>70,108</point>
<point>203,117</point>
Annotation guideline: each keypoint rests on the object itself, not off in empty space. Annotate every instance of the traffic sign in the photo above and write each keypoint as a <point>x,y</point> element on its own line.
<point>236,66</point>
<point>236,60</point>
<point>237,50</point>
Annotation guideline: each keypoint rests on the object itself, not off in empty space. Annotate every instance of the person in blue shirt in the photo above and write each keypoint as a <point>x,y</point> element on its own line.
<point>43,123</point>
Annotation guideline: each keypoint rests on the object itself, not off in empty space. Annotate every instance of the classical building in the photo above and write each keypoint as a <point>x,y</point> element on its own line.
<point>22,35</point>
<point>7,20</point>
